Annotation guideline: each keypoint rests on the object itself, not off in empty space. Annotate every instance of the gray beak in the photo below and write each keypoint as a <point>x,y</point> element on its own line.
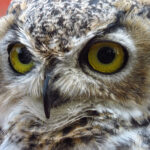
<point>46,102</point>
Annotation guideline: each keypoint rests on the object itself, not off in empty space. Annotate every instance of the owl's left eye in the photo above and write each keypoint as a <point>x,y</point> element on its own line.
<point>107,57</point>
<point>20,59</point>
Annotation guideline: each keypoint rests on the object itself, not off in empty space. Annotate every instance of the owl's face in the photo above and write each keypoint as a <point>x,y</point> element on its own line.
<point>74,62</point>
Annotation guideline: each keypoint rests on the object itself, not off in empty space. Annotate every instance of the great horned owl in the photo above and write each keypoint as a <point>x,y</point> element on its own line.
<point>75,75</point>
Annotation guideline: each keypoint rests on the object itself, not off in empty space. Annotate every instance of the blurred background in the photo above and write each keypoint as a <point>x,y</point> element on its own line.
<point>3,7</point>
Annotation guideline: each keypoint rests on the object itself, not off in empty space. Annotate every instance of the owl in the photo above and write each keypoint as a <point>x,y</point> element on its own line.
<point>75,75</point>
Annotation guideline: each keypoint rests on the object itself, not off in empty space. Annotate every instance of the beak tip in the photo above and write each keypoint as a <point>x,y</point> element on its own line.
<point>47,115</point>
<point>47,110</point>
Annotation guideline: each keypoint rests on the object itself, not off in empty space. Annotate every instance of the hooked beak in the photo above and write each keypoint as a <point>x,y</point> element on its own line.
<point>50,95</point>
<point>46,102</point>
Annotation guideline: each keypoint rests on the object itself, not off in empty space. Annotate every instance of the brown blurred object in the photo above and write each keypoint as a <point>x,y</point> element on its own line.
<point>3,6</point>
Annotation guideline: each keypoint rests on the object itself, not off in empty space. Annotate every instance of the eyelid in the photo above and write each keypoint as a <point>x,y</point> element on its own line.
<point>10,46</point>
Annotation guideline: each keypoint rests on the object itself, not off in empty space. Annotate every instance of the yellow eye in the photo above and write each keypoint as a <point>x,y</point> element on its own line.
<point>107,57</point>
<point>20,59</point>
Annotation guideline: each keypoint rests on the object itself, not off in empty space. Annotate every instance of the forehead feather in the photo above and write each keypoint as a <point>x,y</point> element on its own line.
<point>60,21</point>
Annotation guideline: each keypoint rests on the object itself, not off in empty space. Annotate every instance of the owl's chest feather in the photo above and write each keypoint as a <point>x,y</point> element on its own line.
<point>97,131</point>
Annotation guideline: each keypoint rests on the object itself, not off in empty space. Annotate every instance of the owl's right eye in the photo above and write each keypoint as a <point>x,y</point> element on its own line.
<point>20,59</point>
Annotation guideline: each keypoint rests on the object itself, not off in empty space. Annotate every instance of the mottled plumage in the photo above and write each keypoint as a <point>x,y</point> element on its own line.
<point>83,108</point>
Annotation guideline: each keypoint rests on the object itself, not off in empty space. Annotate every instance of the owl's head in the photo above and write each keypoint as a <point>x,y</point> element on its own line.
<point>75,57</point>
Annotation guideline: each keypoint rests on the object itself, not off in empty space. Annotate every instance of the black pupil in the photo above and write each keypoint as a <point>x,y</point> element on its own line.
<point>24,56</point>
<point>106,55</point>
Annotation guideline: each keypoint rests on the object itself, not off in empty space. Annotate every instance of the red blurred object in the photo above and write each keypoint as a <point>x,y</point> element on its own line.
<point>3,6</point>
